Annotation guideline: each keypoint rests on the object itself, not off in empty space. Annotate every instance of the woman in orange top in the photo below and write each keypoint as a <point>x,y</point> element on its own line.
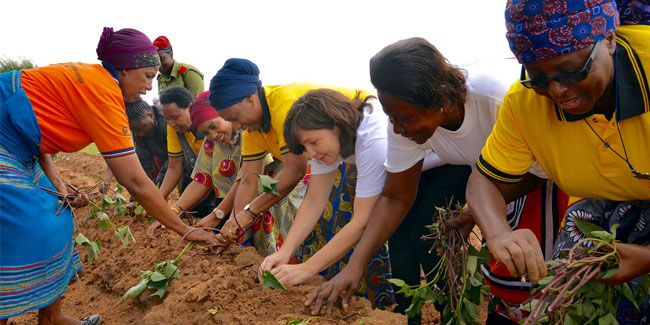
<point>65,107</point>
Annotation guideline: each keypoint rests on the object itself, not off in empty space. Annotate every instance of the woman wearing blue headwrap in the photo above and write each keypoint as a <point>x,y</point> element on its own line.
<point>237,93</point>
<point>582,111</point>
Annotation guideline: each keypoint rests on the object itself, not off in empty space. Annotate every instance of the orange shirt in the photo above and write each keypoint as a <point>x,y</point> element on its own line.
<point>76,104</point>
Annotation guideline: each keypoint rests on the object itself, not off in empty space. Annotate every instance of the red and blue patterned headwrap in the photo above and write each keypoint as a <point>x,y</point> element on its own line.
<point>127,49</point>
<point>634,12</point>
<point>541,29</point>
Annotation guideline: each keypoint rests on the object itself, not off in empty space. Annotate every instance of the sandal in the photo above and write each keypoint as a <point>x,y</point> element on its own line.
<point>91,320</point>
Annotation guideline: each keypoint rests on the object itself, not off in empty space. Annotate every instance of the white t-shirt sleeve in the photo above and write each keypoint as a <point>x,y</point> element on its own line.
<point>402,153</point>
<point>371,173</point>
<point>318,167</point>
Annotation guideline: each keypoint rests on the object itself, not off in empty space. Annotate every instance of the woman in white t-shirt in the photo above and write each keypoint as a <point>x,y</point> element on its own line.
<point>334,129</point>
<point>433,105</point>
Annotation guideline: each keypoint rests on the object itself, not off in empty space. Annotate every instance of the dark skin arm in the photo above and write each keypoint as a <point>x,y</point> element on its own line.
<point>293,170</point>
<point>391,207</point>
<point>128,172</point>
<point>49,168</point>
<point>519,250</point>
<point>174,173</point>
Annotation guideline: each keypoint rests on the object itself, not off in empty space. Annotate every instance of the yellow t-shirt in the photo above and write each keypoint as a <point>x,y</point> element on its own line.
<point>531,128</point>
<point>174,147</point>
<point>279,99</point>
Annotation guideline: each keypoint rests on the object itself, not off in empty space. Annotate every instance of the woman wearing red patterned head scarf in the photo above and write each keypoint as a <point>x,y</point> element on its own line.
<point>63,108</point>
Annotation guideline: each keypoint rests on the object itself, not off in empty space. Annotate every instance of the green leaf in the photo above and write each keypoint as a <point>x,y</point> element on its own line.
<point>92,246</point>
<point>124,234</point>
<point>627,293</point>
<point>586,228</point>
<point>397,282</point>
<point>604,235</point>
<point>608,319</point>
<point>546,280</point>
<point>138,210</point>
<point>269,280</point>
<point>135,290</point>
<point>294,321</point>
<point>157,276</point>
<point>266,184</point>
<point>108,200</point>
<point>610,272</point>
<point>170,270</point>
<point>160,286</point>
<point>472,264</point>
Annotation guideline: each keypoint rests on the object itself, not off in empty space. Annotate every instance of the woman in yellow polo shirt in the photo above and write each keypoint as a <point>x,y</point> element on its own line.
<point>582,111</point>
<point>237,93</point>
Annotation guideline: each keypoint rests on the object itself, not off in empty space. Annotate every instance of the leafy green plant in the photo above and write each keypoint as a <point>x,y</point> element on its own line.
<point>159,278</point>
<point>266,184</point>
<point>457,272</point>
<point>569,296</point>
<point>270,281</point>
<point>116,203</point>
<point>92,246</point>
<point>296,321</point>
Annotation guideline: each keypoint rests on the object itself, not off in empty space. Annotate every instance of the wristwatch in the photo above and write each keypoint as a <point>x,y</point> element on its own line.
<point>218,213</point>
<point>247,208</point>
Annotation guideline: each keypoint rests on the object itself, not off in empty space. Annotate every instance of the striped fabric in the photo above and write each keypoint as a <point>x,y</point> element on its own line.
<point>29,287</point>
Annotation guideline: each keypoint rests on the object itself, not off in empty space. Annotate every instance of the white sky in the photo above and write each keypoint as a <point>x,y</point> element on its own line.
<point>328,42</point>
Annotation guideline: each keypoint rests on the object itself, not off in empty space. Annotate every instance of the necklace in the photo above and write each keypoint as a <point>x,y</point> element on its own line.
<point>636,173</point>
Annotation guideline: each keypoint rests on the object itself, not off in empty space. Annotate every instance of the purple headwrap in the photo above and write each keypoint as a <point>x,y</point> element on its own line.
<point>127,49</point>
<point>236,80</point>
<point>539,30</point>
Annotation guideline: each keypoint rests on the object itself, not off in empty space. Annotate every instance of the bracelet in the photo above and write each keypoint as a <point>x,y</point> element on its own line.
<point>176,209</point>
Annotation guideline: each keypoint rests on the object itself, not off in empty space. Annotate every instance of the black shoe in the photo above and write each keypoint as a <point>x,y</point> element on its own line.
<point>91,320</point>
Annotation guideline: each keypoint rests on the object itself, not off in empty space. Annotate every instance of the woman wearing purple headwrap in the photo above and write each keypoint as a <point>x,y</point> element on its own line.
<point>582,111</point>
<point>63,108</point>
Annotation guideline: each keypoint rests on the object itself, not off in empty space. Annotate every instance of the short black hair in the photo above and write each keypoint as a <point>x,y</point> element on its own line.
<point>138,109</point>
<point>415,71</point>
<point>177,95</point>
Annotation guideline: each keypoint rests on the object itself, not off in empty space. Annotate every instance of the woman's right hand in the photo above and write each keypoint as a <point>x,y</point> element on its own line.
<point>274,260</point>
<point>209,221</point>
<point>155,226</point>
<point>200,235</point>
<point>519,250</point>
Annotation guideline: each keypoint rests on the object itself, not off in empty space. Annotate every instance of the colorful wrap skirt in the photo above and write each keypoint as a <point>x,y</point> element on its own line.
<point>633,218</point>
<point>37,254</point>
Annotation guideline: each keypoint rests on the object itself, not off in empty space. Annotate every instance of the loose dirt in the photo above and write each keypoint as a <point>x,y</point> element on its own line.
<point>228,284</point>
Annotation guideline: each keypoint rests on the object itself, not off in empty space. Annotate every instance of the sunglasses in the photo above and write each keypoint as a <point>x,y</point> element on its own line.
<point>566,78</point>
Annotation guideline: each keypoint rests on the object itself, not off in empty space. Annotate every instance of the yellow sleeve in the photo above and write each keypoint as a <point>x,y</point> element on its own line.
<point>277,123</point>
<point>252,147</point>
<point>174,148</point>
<point>506,157</point>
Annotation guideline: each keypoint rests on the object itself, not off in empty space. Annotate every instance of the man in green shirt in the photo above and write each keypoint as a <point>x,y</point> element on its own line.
<point>174,73</point>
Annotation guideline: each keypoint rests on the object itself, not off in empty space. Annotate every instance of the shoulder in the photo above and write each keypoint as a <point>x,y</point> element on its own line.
<point>183,68</point>
<point>374,124</point>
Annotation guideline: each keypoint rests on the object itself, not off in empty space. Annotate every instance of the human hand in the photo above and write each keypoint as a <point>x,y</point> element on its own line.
<point>519,250</point>
<point>463,221</point>
<point>274,260</point>
<point>209,221</point>
<point>200,235</point>
<point>155,226</point>
<point>80,198</point>
<point>345,283</point>
<point>235,226</point>
<point>293,274</point>
<point>635,261</point>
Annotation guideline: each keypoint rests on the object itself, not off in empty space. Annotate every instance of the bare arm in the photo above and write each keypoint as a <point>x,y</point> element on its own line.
<point>49,168</point>
<point>128,172</point>
<point>306,217</point>
<point>173,175</point>
<point>192,195</point>
<point>519,250</point>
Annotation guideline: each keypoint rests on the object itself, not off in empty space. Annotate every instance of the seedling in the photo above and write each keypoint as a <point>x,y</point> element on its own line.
<point>159,278</point>
<point>266,184</point>
<point>457,271</point>
<point>270,281</point>
<point>569,296</point>
<point>93,246</point>
<point>117,203</point>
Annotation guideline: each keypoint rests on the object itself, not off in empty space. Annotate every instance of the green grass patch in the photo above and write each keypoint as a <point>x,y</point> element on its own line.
<point>90,149</point>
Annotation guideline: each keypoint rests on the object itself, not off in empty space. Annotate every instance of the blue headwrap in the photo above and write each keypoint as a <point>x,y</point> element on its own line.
<point>236,80</point>
<point>542,29</point>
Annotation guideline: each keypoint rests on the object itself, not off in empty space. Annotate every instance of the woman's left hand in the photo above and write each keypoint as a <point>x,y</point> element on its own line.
<point>635,261</point>
<point>293,274</point>
<point>231,229</point>
<point>80,198</point>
